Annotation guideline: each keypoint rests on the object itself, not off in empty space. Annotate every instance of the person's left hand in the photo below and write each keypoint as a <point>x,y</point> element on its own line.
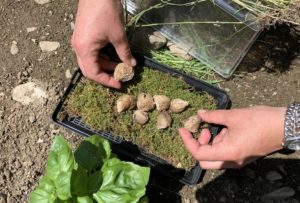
<point>99,22</point>
<point>249,133</point>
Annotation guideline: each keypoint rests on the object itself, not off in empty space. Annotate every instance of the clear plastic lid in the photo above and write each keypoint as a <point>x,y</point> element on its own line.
<point>217,33</point>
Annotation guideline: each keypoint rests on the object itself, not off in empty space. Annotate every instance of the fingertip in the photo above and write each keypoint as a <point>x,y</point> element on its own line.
<point>133,61</point>
<point>201,111</point>
<point>220,117</point>
<point>114,83</point>
<point>117,85</point>
<point>184,131</point>
<point>204,136</point>
<point>220,136</point>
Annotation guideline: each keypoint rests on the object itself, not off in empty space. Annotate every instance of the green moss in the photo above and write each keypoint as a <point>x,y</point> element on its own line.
<point>96,105</point>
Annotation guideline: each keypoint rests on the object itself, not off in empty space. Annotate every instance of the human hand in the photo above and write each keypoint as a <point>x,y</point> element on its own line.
<point>248,134</point>
<point>99,22</point>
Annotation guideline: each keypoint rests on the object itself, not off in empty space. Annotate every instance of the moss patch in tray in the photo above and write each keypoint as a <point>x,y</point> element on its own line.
<point>96,105</point>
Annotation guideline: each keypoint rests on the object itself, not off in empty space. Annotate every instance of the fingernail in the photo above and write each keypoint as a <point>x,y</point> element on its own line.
<point>133,62</point>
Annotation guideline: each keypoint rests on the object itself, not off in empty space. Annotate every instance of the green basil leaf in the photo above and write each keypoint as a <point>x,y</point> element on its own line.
<point>92,152</point>
<point>79,181</point>
<point>122,182</point>
<point>59,167</point>
<point>84,184</point>
<point>85,199</point>
<point>44,193</point>
<point>63,201</point>
<point>94,182</point>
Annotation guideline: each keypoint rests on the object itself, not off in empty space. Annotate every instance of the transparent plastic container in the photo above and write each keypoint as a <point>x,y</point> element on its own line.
<point>218,33</point>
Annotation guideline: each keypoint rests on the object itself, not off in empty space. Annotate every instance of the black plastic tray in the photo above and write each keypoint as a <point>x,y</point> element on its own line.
<point>128,150</point>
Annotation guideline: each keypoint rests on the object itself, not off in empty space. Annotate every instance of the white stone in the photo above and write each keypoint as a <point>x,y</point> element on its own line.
<point>145,39</point>
<point>48,46</point>
<point>68,74</point>
<point>14,48</point>
<point>32,118</point>
<point>40,141</point>
<point>177,51</point>
<point>157,40</point>
<point>28,93</point>
<point>42,1</point>
<point>31,29</point>
<point>72,25</point>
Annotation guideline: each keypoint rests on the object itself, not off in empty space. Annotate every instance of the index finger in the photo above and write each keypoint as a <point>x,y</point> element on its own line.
<point>200,152</point>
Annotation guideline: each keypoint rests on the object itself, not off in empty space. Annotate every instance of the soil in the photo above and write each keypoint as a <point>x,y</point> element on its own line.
<point>269,75</point>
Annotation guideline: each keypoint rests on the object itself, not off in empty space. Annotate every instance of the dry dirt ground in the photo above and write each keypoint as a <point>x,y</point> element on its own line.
<point>269,75</point>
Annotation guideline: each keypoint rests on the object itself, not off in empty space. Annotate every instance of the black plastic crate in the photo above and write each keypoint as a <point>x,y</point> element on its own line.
<point>129,151</point>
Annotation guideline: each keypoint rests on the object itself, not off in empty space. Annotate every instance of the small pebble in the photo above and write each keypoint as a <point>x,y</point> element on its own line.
<point>140,117</point>
<point>163,120</point>
<point>177,51</point>
<point>49,46</point>
<point>28,163</point>
<point>31,29</point>
<point>123,72</point>
<point>227,89</point>
<point>17,164</point>
<point>145,102</point>
<point>40,141</point>
<point>14,48</point>
<point>68,74</point>
<point>72,25</point>
<point>157,40</point>
<point>32,118</point>
<point>273,176</point>
<point>178,105</point>
<point>41,2</point>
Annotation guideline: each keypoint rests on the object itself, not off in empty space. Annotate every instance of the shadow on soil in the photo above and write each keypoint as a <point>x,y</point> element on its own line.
<point>248,184</point>
<point>162,189</point>
<point>275,49</point>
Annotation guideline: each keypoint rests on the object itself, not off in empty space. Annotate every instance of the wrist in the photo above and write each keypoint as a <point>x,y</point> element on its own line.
<point>279,126</point>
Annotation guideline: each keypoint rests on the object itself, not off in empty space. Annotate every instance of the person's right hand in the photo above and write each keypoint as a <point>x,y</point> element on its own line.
<point>248,134</point>
<point>99,22</point>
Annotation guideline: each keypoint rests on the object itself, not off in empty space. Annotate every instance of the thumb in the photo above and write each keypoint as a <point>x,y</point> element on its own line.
<point>220,117</point>
<point>123,51</point>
